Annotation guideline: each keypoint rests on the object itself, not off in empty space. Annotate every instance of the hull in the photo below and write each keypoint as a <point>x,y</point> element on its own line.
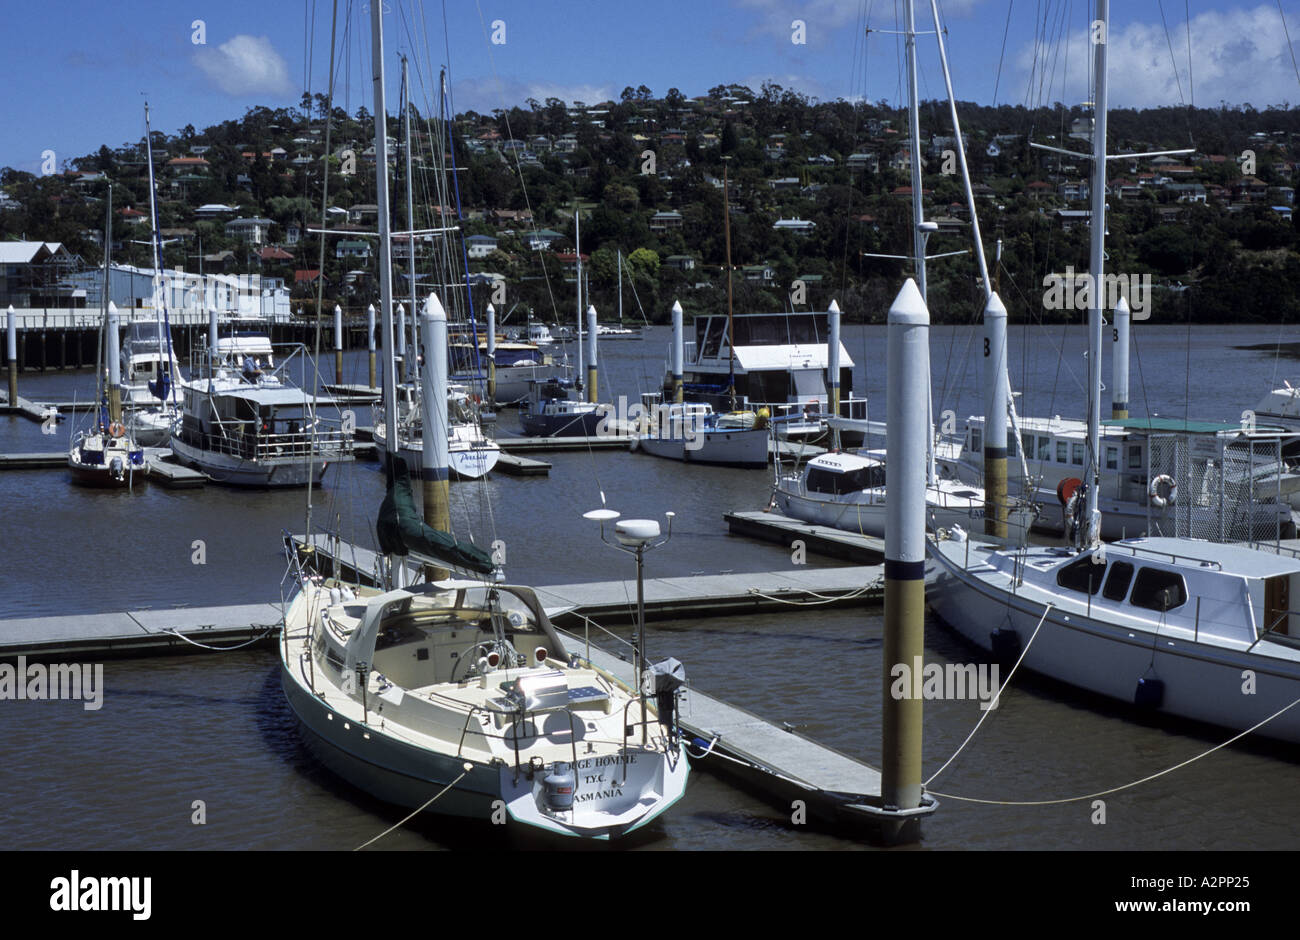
<point>1202,682</point>
<point>868,517</point>
<point>101,478</point>
<point>151,428</point>
<point>577,425</point>
<point>467,462</point>
<point>745,449</point>
<point>235,471</point>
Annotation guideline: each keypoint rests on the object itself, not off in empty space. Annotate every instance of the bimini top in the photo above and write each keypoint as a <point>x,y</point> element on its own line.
<point>1230,559</point>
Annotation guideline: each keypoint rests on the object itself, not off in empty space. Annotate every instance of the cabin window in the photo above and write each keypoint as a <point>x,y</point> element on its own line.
<point>1062,451</point>
<point>976,440</point>
<point>1121,573</point>
<point>821,480</point>
<point>1082,575</point>
<point>1044,448</point>
<point>1156,589</point>
<point>1076,454</point>
<point>1012,449</point>
<point>1028,440</point>
<point>1112,458</point>
<point>1134,457</point>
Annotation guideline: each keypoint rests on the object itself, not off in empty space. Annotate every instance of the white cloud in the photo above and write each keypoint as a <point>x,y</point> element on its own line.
<point>246,65</point>
<point>1239,56</point>
<point>486,94</point>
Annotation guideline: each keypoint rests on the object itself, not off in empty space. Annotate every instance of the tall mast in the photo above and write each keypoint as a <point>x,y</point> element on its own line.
<point>1095,272</point>
<point>410,364</point>
<point>385,242</point>
<point>726,230</point>
<point>914,130</point>
<point>113,407</point>
<point>577,283</point>
<point>159,292</point>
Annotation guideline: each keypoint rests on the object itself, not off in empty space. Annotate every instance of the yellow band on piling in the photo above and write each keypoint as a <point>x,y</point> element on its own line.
<point>437,515</point>
<point>995,497</point>
<point>904,643</point>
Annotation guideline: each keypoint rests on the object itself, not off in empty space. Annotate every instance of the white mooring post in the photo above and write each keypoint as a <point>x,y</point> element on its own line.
<point>907,432</point>
<point>435,473</point>
<point>1119,382</point>
<point>679,351</point>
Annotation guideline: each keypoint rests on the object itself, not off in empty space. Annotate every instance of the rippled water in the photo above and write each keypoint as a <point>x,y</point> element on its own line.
<point>215,728</point>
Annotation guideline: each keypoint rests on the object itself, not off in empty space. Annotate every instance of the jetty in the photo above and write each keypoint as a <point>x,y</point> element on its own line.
<point>818,539</point>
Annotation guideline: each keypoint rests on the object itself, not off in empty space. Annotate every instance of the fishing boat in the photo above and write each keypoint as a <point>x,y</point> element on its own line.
<point>552,410</point>
<point>246,424</point>
<point>457,696</point>
<point>1177,626</point>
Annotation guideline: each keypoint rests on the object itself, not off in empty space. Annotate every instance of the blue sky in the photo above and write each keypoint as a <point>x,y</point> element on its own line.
<point>75,70</point>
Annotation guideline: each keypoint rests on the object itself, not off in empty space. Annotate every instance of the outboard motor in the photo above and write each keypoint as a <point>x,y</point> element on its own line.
<point>558,785</point>
<point>115,467</point>
<point>665,679</point>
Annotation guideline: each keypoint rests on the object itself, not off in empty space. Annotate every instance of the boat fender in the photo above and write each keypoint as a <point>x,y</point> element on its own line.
<point>1163,491</point>
<point>1150,693</point>
<point>116,429</point>
<point>1005,645</point>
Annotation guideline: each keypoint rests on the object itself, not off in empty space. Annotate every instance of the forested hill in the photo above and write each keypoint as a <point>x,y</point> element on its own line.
<point>812,187</point>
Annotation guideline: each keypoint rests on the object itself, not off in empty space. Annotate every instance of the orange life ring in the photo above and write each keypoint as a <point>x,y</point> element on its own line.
<point>116,429</point>
<point>1065,489</point>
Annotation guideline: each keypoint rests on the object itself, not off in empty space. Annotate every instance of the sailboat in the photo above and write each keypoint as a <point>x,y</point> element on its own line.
<point>848,491</point>
<point>153,425</point>
<point>473,453</point>
<point>457,695</point>
<point>106,454</point>
<point>1177,626</point>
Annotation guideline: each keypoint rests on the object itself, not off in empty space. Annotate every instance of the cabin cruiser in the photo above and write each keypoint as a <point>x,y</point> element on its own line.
<point>246,425</point>
<point>552,410</point>
<point>847,491</point>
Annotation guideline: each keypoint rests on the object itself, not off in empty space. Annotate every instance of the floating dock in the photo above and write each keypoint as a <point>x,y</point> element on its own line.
<point>818,539</point>
<point>780,764</point>
<point>690,596</point>
<point>159,466</point>
<point>26,409</point>
<point>138,632</point>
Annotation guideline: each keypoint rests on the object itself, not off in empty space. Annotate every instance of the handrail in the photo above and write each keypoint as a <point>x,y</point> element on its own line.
<point>1157,552</point>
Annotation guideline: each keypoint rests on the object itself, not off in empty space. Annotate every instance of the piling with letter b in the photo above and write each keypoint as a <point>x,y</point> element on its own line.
<point>434,473</point>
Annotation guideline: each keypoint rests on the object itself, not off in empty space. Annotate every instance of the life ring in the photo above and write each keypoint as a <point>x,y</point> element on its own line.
<point>1065,489</point>
<point>116,429</point>
<point>1170,495</point>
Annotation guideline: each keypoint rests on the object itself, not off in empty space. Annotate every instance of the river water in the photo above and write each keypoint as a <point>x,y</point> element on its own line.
<point>215,728</point>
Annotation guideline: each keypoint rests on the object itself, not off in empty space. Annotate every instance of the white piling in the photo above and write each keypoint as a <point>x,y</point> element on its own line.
<point>679,351</point>
<point>995,420</point>
<point>907,431</point>
<point>434,474</point>
<point>1119,382</point>
<point>833,369</point>
<point>591,353</point>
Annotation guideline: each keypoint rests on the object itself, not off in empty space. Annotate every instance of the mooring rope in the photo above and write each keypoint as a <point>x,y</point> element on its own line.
<point>821,598</point>
<point>268,629</point>
<point>1001,689</point>
<point>1127,786</point>
<point>468,768</point>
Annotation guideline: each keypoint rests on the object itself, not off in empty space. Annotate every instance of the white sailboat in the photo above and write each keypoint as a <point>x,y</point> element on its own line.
<point>1173,625</point>
<point>458,696</point>
<point>106,454</point>
<point>156,411</point>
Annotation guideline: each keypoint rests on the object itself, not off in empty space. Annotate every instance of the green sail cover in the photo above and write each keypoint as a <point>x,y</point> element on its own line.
<point>402,531</point>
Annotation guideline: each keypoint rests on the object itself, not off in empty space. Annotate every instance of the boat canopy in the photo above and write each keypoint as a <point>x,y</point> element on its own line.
<point>401,531</point>
<point>283,397</point>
